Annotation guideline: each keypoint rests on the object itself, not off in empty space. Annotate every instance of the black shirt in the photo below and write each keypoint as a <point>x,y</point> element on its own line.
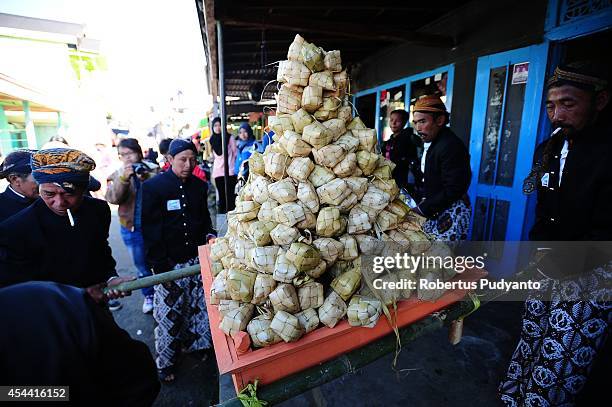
<point>401,150</point>
<point>579,209</point>
<point>37,244</point>
<point>175,219</point>
<point>11,203</point>
<point>447,173</point>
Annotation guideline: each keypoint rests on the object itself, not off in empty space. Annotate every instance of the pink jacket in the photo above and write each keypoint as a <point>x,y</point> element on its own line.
<point>218,167</point>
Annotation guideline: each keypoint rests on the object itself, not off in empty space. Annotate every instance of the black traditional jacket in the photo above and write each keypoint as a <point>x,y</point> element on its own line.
<point>11,203</point>
<point>447,173</point>
<point>579,210</point>
<point>175,219</point>
<point>37,244</point>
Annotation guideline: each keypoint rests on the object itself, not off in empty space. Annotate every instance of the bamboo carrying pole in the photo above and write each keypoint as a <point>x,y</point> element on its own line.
<point>155,279</point>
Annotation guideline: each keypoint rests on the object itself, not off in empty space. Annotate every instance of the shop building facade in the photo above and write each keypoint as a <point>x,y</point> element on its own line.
<point>493,85</point>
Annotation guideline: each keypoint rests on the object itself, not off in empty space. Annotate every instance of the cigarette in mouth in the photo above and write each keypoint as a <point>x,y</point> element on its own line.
<point>70,218</point>
<point>557,130</point>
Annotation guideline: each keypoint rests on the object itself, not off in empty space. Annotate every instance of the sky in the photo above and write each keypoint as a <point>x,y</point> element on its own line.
<point>153,47</point>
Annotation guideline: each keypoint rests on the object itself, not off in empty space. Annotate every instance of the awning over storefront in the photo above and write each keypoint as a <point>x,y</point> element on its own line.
<point>256,35</point>
<point>13,93</point>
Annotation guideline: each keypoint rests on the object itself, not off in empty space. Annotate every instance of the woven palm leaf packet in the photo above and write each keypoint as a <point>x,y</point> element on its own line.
<point>318,199</point>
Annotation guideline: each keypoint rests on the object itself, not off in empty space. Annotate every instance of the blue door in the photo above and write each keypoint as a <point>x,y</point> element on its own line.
<point>507,105</point>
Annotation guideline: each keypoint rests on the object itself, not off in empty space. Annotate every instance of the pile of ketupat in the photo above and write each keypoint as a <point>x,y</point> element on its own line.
<point>317,199</point>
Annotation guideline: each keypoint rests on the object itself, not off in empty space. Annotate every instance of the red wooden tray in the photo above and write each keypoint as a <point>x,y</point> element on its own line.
<point>283,359</point>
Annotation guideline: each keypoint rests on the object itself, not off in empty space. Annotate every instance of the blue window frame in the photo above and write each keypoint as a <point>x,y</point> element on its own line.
<point>502,143</point>
<point>406,83</point>
<point>566,19</point>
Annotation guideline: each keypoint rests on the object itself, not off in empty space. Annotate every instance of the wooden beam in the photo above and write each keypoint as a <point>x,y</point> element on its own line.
<point>239,71</point>
<point>344,5</point>
<point>283,42</point>
<point>350,30</point>
<point>236,69</point>
<point>202,24</point>
<point>232,52</point>
<point>243,81</point>
<point>211,34</point>
<point>229,44</point>
<point>14,108</point>
<point>256,51</point>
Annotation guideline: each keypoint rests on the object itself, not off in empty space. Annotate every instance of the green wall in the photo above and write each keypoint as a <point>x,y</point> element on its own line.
<point>44,133</point>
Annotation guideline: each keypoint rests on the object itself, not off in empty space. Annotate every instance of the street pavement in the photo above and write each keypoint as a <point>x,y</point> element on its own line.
<point>430,371</point>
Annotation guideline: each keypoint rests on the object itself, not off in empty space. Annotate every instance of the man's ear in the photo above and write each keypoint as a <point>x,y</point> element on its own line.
<point>441,120</point>
<point>602,99</point>
<point>170,159</point>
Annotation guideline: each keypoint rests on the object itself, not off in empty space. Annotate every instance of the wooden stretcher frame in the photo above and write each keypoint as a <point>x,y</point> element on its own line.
<point>284,359</point>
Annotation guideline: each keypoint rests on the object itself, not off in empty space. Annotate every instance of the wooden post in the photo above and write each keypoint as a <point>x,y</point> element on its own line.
<point>224,135</point>
<point>211,36</point>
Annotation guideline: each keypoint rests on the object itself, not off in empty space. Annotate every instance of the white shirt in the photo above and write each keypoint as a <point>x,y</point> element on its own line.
<point>425,148</point>
<point>564,152</point>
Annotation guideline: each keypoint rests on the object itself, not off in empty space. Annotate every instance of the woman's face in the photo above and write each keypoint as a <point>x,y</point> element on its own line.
<point>243,135</point>
<point>396,123</point>
<point>217,128</point>
<point>128,156</point>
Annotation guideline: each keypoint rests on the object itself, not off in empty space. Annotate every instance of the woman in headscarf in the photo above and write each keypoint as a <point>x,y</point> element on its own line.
<point>219,168</point>
<point>245,146</point>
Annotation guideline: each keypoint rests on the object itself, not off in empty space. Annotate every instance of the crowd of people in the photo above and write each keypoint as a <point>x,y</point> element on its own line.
<point>47,209</point>
<point>52,231</point>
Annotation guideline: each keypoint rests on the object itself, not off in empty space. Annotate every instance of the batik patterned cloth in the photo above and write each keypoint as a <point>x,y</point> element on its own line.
<point>452,225</point>
<point>63,166</point>
<point>182,321</point>
<point>565,324</point>
<point>430,104</point>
